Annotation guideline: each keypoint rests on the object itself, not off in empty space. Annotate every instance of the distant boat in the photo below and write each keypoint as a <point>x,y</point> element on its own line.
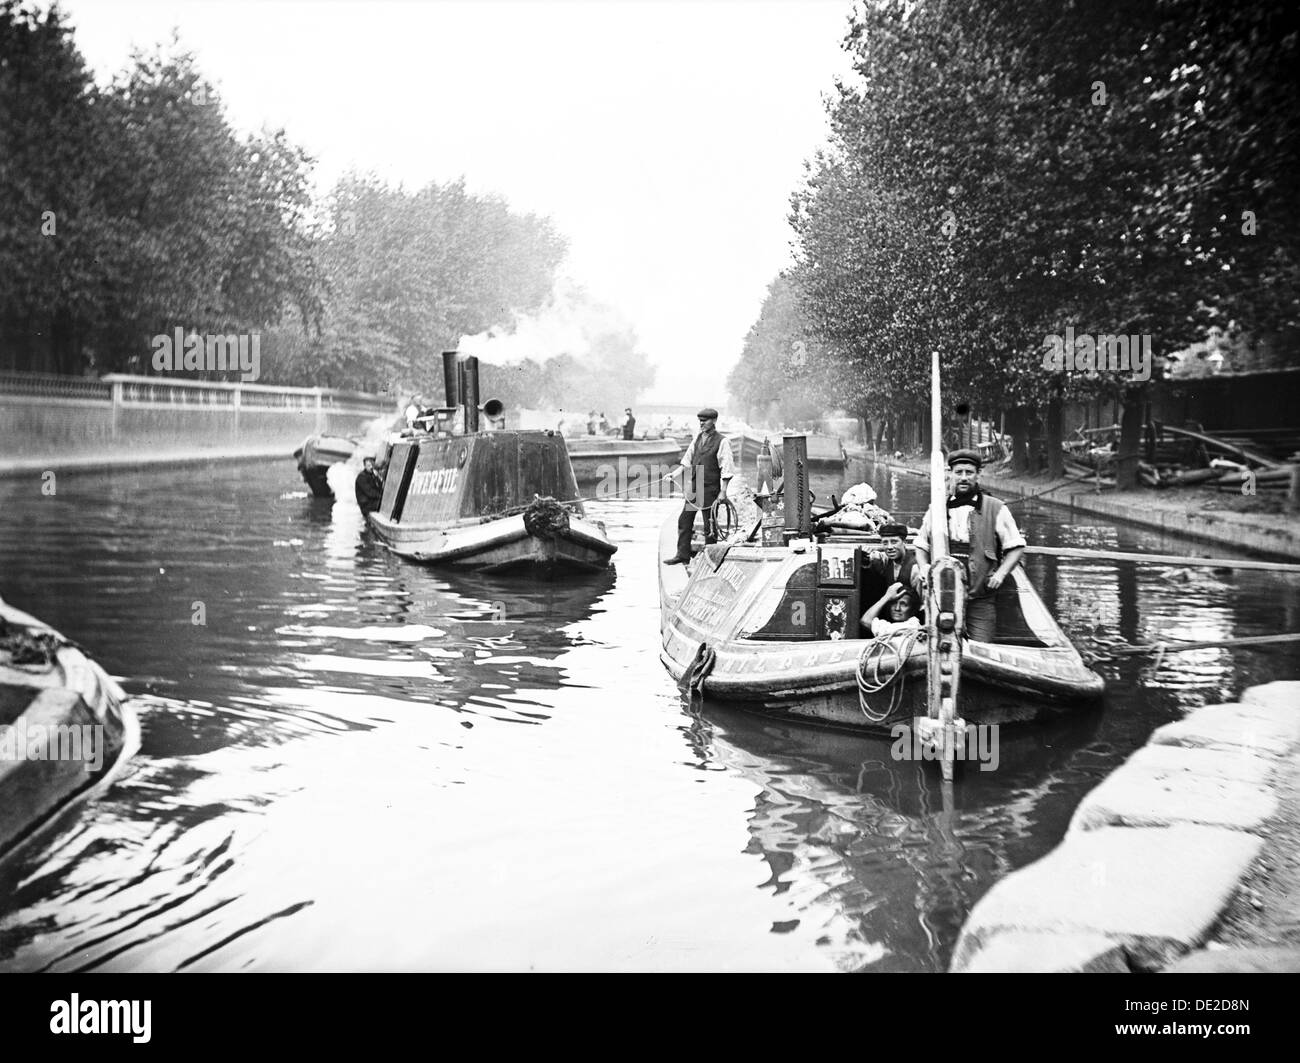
<point>65,734</point>
<point>315,456</point>
<point>826,451</point>
<point>492,499</point>
<point>593,457</point>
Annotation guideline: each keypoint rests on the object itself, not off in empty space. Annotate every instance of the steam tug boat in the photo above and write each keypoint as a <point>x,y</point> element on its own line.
<point>490,499</point>
<point>65,734</point>
<point>772,623</point>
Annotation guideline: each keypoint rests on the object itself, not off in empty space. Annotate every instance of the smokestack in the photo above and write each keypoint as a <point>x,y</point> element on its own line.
<point>451,378</point>
<point>469,393</point>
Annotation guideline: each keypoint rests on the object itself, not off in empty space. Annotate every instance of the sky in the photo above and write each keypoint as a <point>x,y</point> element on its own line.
<point>664,139</point>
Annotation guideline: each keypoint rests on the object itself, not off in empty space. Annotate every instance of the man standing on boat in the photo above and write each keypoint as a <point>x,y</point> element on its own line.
<point>369,487</point>
<point>629,424</point>
<point>983,533</point>
<point>709,467</point>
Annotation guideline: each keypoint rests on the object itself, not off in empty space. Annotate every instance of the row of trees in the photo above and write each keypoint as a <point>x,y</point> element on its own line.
<point>129,210</point>
<point>999,170</point>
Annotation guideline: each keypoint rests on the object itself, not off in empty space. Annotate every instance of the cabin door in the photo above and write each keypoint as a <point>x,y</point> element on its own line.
<point>400,471</point>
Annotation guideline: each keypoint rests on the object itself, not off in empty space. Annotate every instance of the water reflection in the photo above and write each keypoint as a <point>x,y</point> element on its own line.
<point>882,857</point>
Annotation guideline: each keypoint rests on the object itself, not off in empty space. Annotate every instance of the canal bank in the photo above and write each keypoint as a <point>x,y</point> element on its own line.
<point>1185,858</point>
<point>73,424</point>
<point>139,458</point>
<point>1194,513</point>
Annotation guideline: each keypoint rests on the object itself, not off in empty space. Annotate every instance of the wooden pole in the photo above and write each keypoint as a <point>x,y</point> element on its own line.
<point>1175,646</point>
<point>1293,493</point>
<point>944,601</point>
<point>1162,559</point>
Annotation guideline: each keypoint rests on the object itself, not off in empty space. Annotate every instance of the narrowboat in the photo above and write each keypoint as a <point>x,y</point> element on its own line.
<point>774,624</point>
<point>315,456</point>
<point>595,458</point>
<point>490,499</point>
<point>825,451</point>
<point>65,732</point>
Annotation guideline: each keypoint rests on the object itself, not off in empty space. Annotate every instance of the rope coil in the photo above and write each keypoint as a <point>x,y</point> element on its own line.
<point>877,652</point>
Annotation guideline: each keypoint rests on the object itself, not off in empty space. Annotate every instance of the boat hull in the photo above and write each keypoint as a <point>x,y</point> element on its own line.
<point>66,736</point>
<point>498,544</point>
<point>753,607</point>
<point>315,457</point>
<point>597,460</point>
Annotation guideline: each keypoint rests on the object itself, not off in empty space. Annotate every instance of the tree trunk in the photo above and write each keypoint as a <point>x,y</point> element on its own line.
<point>1130,440</point>
<point>1055,455</point>
<point>1017,425</point>
<point>1034,439</point>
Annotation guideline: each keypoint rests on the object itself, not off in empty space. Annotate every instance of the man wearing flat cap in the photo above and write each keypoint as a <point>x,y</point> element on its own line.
<point>983,533</point>
<point>892,563</point>
<point>708,467</point>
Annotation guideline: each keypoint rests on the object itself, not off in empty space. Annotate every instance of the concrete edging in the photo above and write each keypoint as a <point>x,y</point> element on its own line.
<point>1153,855</point>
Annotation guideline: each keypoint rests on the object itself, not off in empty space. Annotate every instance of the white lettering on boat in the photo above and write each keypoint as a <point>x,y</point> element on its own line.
<point>434,481</point>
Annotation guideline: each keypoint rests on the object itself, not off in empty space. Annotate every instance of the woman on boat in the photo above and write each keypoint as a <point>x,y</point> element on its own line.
<point>900,604</point>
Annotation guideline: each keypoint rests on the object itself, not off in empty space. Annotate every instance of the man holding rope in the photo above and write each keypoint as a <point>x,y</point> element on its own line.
<point>709,467</point>
<point>981,531</point>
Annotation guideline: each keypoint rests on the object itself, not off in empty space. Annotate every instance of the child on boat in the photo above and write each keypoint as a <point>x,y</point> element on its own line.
<point>900,604</point>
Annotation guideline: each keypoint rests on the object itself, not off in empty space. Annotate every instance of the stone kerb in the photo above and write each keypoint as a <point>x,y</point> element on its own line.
<point>1153,854</point>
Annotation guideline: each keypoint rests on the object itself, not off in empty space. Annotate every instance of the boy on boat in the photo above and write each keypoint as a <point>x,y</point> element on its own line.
<point>983,533</point>
<point>893,562</point>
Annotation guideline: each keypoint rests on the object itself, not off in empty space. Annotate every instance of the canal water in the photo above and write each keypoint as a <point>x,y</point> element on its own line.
<point>357,763</point>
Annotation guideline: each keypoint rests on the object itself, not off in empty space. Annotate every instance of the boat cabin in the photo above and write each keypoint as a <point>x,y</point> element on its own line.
<point>445,479</point>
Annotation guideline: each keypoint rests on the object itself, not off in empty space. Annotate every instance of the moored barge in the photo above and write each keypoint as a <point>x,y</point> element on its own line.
<point>65,732</point>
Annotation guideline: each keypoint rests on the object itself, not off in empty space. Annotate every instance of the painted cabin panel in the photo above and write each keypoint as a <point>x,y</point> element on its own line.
<point>438,481</point>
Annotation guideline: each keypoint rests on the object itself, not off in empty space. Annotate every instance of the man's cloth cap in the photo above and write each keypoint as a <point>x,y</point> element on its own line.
<point>708,411</point>
<point>899,530</point>
<point>971,456</point>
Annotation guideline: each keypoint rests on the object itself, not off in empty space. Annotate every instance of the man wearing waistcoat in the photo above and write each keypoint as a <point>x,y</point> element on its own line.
<point>708,466</point>
<point>983,533</point>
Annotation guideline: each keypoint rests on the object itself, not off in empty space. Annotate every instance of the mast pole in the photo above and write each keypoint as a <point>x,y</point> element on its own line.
<point>945,606</point>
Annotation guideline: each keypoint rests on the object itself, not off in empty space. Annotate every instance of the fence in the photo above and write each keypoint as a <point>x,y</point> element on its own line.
<point>42,414</point>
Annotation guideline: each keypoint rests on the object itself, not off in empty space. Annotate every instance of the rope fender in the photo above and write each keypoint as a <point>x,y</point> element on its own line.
<point>545,518</point>
<point>699,668</point>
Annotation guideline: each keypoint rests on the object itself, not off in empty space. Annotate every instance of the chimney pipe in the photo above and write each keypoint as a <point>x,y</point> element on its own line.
<point>451,378</point>
<point>469,393</point>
